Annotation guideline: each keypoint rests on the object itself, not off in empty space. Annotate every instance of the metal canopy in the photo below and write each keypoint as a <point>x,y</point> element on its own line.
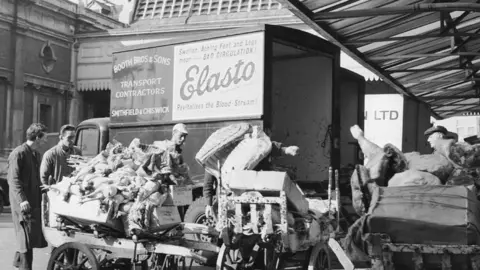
<point>429,50</point>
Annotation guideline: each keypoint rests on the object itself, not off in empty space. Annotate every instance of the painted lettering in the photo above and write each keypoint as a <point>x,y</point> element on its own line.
<point>201,82</point>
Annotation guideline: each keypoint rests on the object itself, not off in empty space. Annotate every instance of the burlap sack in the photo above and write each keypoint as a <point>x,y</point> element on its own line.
<point>384,165</point>
<point>248,152</point>
<point>413,178</point>
<point>465,155</point>
<point>436,164</point>
<point>362,190</point>
<point>464,177</point>
<point>219,145</point>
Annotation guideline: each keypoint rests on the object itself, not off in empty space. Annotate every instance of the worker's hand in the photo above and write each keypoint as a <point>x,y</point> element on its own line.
<point>292,150</point>
<point>208,211</point>
<point>25,207</point>
<point>356,131</point>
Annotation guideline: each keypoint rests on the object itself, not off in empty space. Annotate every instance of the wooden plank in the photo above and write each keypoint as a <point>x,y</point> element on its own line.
<point>254,217</point>
<point>267,217</point>
<point>238,218</point>
<point>341,255</point>
<point>122,248</point>
<point>393,28</point>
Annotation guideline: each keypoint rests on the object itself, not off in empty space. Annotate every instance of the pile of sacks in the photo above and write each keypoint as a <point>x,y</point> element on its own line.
<point>128,181</point>
<point>452,163</point>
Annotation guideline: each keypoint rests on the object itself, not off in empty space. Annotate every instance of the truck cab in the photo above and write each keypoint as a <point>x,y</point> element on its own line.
<point>92,136</point>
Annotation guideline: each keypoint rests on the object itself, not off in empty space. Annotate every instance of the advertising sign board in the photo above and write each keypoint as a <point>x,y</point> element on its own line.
<point>217,78</point>
<point>384,119</point>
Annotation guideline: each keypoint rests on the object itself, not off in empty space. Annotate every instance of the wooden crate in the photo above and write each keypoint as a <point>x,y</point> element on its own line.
<point>269,183</point>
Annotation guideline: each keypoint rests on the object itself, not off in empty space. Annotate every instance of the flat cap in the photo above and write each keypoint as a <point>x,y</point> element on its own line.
<point>181,128</point>
<point>435,129</point>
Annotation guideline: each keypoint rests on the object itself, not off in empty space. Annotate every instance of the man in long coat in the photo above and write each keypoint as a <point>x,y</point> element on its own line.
<point>25,196</point>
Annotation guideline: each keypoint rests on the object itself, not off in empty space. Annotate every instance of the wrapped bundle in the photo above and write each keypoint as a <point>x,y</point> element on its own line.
<point>128,182</point>
<point>219,145</point>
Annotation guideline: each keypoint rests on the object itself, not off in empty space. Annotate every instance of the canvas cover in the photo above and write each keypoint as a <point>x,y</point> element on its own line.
<point>426,214</point>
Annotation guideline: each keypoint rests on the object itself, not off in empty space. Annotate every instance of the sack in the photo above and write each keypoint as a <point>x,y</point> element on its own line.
<point>464,177</point>
<point>362,190</point>
<point>437,215</point>
<point>465,155</point>
<point>383,165</point>
<point>413,178</point>
<point>248,152</point>
<point>435,164</point>
<point>219,145</point>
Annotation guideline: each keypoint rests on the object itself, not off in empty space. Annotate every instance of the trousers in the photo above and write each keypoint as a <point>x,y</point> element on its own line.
<point>23,261</point>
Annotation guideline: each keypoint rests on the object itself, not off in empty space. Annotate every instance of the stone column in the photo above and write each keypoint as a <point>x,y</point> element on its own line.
<point>75,102</point>
<point>75,110</point>
<point>17,99</point>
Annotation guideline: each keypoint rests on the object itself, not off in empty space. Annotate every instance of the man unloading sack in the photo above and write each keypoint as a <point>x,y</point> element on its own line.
<point>435,133</point>
<point>210,182</point>
<point>174,147</point>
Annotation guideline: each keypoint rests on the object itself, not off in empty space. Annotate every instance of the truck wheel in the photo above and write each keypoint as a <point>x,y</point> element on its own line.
<point>196,214</point>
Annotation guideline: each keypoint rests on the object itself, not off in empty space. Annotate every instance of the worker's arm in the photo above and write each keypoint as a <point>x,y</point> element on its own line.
<point>278,149</point>
<point>15,181</point>
<point>47,168</point>
<point>77,150</point>
<point>209,187</point>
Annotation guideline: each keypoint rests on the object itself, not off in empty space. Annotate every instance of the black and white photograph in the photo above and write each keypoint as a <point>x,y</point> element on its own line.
<point>239,135</point>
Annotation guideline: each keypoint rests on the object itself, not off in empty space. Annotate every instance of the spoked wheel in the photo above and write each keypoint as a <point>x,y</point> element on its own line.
<point>196,214</point>
<point>231,259</point>
<point>319,258</point>
<point>73,256</point>
<point>228,259</point>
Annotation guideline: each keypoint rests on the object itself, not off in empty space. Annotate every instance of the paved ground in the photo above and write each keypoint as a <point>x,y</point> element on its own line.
<point>7,246</point>
<point>40,257</point>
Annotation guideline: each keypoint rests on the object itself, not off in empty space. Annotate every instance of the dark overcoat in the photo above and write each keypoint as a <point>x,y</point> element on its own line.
<point>24,184</point>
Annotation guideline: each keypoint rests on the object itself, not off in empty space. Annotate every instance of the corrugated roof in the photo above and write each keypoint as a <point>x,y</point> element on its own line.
<point>428,49</point>
<point>159,9</point>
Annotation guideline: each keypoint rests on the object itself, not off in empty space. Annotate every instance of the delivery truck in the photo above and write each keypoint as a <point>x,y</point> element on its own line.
<point>281,79</point>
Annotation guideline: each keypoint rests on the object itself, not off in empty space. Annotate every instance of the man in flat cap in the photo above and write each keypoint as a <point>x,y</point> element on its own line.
<point>434,134</point>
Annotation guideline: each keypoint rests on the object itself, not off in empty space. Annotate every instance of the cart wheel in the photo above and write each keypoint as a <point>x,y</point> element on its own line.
<point>319,258</point>
<point>73,256</point>
<point>267,259</point>
<point>227,259</point>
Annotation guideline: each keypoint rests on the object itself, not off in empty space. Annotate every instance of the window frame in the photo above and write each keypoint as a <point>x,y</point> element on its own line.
<point>80,134</point>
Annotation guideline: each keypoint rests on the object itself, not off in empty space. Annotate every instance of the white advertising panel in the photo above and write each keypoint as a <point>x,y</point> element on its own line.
<point>384,119</point>
<point>219,78</point>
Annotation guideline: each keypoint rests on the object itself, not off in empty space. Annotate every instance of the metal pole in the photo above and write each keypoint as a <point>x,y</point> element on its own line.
<point>337,198</point>
<point>330,174</point>
<point>410,9</point>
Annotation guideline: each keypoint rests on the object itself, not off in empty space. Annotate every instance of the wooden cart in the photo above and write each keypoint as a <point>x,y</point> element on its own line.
<point>276,246</point>
<point>386,255</point>
<point>95,247</point>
